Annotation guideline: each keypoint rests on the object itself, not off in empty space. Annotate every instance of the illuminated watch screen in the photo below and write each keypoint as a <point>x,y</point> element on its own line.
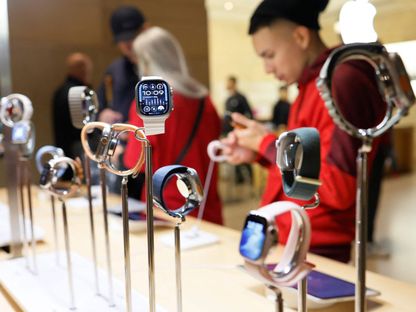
<point>20,133</point>
<point>253,237</point>
<point>153,97</point>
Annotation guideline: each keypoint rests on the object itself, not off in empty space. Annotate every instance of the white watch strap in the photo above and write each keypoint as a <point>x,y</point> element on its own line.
<point>154,125</point>
<point>270,211</point>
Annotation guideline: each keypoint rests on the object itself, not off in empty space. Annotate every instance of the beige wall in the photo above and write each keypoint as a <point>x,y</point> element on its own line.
<point>44,32</point>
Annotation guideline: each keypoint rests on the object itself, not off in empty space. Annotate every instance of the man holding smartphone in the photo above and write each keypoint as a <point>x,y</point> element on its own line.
<point>285,34</point>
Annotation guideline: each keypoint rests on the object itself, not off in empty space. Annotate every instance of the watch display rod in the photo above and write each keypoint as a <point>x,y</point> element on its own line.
<point>83,108</point>
<point>107,144</point>
<point>190,187</point>
<point>394,85</point>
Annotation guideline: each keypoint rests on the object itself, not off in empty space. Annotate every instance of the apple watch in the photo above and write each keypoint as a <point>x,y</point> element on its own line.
<point>260,234</point>
<point>154,103</point>
<point>299,161</point>
<point>14,108</point>
<point>50,179</point>
<point>23,135</point>
<point>83,105</point>
<point>214,150</point>
<point>50,152</point>
<point>392,79</point>
<point>189,186</point>
<point>107,143</point>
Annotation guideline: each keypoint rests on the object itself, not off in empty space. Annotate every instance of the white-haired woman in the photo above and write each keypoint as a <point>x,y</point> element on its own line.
<point>159,54</point>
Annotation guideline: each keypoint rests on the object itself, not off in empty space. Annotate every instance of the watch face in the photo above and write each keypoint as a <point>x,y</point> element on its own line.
<point>153,97</point>
<point>253,237</point>
<point>20,133</point>
<point>290,154</point>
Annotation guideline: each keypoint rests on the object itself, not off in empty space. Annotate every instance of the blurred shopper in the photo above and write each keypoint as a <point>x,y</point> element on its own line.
<point>117,89</point>
<point>79,72</point>
<point>235,103</point>
<point>160,54</point>
<point>281,110</point>
<point>285,35</point>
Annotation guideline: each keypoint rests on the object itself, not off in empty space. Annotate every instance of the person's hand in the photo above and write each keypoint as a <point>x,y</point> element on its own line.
<point>249,133</point>
<point>110,116</point>
<point>235,153</point>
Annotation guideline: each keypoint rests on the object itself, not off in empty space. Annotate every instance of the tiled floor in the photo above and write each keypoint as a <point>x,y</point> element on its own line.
<point>395,224</point>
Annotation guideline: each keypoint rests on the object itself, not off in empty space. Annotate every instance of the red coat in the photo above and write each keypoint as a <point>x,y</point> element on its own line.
<point>167,147</point>
<point>333,222</point>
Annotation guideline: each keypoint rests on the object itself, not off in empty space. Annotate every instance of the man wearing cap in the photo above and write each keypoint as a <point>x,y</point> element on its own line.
<point>285,34</point>
<point>116,92</point>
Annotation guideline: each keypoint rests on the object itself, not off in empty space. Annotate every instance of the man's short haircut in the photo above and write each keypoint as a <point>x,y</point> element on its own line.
<point>232,78</point>
<point>302,12</point>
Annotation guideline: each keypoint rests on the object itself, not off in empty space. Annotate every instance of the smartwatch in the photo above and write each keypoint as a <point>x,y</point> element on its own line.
<point>188,183</point>
<point>299,161</point>
<point>107,142</point>
<point>153,103</point>
<point>14,108</point>
<point>50,179</point>
<point>83,105</point>
<point>392,78</point>
<point>214,150</point>
<point>52,152</point>
<point>260,234</point>
<point>23,135</point>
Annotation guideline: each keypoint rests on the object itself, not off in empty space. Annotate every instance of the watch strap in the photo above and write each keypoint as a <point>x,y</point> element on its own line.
<point>293,184</point>
<point>154,125</point>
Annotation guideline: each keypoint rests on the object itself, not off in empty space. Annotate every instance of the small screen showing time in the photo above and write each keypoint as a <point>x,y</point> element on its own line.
<point>253,238</point>
<point>153,97</point>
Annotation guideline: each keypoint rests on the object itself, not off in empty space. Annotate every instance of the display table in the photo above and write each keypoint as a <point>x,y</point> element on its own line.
<point>211,279</point>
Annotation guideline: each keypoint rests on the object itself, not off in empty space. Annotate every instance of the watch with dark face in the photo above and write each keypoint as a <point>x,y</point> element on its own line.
<point>188,184</point>
<point>392,79</point>
<point>83,105</point>
<point>260,234</point>
<point>299,161</point>
<point>47,152</point>
<point>154,103</point>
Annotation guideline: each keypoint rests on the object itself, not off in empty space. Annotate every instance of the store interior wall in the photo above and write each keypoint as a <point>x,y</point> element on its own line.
<point>44,32</point>
<point>231,51</point>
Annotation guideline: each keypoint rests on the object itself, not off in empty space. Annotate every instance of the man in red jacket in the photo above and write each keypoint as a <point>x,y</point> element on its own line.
<point>285,35</point>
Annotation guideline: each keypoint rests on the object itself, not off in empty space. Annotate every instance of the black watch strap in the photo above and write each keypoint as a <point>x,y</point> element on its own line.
<point>160,180</point>
<point>300,184</point>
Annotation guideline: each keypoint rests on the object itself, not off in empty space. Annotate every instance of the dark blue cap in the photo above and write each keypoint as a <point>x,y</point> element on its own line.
<point>126,22</point>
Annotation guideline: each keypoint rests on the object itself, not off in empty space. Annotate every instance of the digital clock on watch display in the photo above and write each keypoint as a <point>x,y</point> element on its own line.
<point>153,97</point>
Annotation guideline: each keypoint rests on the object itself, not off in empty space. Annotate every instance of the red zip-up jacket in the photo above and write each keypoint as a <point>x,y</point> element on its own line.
<point>168,146</point>
<point>356,92</point>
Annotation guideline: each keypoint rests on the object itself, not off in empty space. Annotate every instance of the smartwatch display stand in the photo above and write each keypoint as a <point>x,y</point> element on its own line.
<point>25,181</point>
<point>195,237</point>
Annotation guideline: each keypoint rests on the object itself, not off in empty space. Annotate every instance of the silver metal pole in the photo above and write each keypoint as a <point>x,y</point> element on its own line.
<point>10,153</point>
<point>150,228</point>
<point>178,267</point>
<point>32,224</point>
<point>21,179</point>
<point>361,226</point>
<point>107,237</point>
<point>91,215</point>
<point>302,291</point>
<point>68,259</point>
<point>126,239</point>
<point>55,229</point>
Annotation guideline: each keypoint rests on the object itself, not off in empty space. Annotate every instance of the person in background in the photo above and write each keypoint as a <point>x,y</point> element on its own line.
<point>160,54</point>
<point>117,88</point>
<point>285,35</point>
<point>235,103</point>
<point>79,72</point>
<point>281,110</point>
